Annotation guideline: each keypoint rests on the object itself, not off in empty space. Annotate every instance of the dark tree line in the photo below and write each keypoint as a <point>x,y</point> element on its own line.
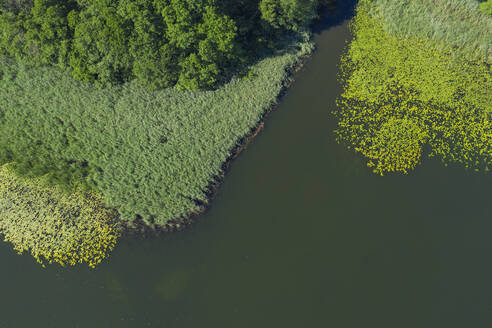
<point>161,43</point>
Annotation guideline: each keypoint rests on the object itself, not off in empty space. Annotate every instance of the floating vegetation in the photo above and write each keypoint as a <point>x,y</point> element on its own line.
<point>402,94</point>
<point>55,227</point>
<point>396,146</point>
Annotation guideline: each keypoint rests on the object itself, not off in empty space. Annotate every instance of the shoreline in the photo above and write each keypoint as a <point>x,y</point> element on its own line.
<point>138,228</point>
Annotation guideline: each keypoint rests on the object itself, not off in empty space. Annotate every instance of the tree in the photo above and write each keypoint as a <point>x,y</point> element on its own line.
<point>145,41</point>
<point>200,40</point>
<point>48,36</point>
<point>15,6</point>
<point>288,14</point>
<point>100,44</point>
<point>11,34</point>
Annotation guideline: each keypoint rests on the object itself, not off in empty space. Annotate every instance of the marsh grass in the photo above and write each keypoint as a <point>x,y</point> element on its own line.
<point>151,154</point>
<point>459,25</point>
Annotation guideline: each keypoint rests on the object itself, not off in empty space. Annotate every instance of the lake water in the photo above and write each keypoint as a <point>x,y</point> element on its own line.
<point>301,234</point>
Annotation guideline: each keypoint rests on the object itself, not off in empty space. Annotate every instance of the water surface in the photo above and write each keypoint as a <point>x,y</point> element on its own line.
<point>301,234</point>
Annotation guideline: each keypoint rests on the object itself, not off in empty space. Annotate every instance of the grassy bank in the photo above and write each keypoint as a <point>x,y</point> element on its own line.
<point>408,93</point>
<point>456,25</point>
<point>150,154</point>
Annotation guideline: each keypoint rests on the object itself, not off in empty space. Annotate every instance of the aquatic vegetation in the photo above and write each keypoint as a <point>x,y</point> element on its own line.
<point>53,226</point>
<point>396,146</point>
<point>486,7</point>
<point>456,25</point>
<point>151,154</point>
<point>404,95</point>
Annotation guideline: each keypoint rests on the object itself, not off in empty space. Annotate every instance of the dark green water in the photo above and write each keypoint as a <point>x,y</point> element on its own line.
<point>301,234</point>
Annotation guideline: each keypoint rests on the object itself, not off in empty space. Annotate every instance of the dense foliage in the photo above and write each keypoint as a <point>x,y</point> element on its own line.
<point>151,154</point>
<point>287,14</point>
<point>405,94</point>
<point>189,43</point>
<point>52,225</point>
<point>486,7</point>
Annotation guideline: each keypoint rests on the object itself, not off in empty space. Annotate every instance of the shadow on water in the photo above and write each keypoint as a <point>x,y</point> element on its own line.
<point>344,10</point>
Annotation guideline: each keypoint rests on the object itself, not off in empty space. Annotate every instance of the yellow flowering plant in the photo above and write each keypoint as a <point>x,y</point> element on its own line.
<point>52,225</point>
<point>401,93</point>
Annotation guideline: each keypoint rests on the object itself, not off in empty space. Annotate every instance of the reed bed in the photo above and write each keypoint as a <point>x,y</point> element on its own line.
<point>459,25</point>
<point>152,155</point>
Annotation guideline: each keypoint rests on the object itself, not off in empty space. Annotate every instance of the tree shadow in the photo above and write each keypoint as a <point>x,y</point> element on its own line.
<point>331,17</point>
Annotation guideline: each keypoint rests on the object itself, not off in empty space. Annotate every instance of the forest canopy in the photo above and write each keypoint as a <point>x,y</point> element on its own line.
<point>190,44</point>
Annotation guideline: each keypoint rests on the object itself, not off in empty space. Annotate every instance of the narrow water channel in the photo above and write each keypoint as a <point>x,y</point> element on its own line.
<point>301,234</point>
